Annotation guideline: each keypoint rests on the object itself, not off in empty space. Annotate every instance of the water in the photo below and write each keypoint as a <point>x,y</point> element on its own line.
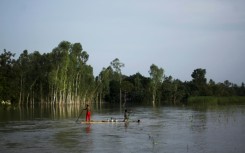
<point>164,129</point>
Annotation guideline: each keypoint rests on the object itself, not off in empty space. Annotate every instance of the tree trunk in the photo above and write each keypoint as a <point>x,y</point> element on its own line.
<point>120,96</point>
<point>21,88</point>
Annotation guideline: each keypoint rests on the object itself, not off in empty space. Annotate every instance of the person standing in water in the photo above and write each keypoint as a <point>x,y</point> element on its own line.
<point>126,115</point>
<point>88,113</point>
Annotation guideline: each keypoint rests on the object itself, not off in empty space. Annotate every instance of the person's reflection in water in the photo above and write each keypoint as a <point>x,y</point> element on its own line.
<point>126,126</point>
<point>88,128</point>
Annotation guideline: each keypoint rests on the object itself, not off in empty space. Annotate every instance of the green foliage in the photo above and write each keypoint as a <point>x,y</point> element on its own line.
<point>199,85</point>
<point>140,91</point>
<point>102,84</point>
<point>7,73</point>
<point>114,91</point>
<point>173,91</point>
<point>63,76</point>
<point>117,65</point>
<point>156,75</point>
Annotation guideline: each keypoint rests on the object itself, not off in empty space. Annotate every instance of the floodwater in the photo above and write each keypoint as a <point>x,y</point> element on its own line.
<point>165,129</point>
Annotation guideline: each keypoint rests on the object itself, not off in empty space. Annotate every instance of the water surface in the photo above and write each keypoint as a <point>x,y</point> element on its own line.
<point>164,129</point>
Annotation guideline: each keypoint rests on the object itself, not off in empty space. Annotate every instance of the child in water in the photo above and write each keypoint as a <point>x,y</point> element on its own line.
<point>126,115</point>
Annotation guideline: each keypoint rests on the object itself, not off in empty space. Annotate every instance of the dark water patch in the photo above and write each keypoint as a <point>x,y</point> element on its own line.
<point>13,145</point>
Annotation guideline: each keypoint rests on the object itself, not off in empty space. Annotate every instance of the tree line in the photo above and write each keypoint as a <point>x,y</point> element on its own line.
<point>64,77</point>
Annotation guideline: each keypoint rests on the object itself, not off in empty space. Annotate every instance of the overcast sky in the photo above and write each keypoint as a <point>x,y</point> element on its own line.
<point>176,35</point>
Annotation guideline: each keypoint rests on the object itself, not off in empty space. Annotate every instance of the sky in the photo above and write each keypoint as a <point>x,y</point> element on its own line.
<point>176,35</point>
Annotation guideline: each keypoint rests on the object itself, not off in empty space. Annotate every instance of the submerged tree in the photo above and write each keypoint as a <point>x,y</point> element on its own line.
<point>117,65</point>
<point>126,87</point>
<point>173,90</point>
<point>156,75</point>
<point>71,79</point>
<point>63,76</point>
<point>102,83</point>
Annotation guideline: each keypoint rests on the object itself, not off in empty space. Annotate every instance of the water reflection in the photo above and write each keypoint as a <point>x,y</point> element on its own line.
<point>39,112</point>
<point>88,128</point>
